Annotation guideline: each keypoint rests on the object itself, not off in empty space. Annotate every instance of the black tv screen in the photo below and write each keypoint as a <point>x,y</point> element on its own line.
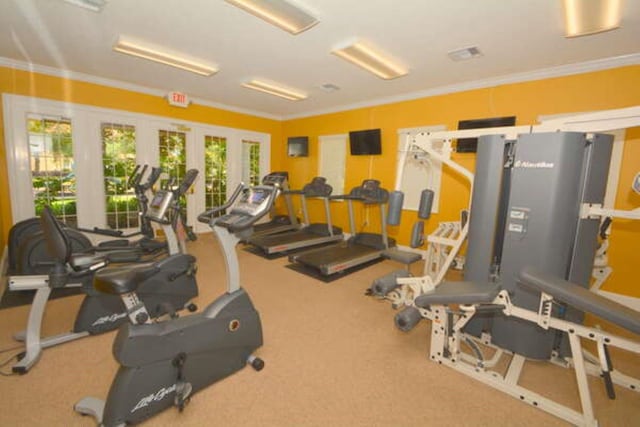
<point>298,146</point>
<point>470,145</point>
<point>365,142</point>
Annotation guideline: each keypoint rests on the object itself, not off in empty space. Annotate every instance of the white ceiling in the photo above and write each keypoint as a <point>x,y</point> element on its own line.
<point>523,36</point>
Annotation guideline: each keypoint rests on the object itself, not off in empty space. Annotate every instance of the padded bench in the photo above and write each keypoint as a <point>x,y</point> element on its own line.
<point>582,299</point>
<point>403,257</point>
<point>561,290</point>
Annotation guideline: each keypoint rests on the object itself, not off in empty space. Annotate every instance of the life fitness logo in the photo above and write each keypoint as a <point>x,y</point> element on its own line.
<point>532,165</point>
<point>154,397</point>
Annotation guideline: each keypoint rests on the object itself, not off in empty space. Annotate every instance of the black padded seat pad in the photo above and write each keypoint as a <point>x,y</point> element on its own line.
<point>121,280</point>
<point>404,257</point>
<point>459,293</point>
<point>582,299</point>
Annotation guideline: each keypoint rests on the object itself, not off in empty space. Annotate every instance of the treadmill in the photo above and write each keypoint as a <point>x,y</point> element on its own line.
<point>361,248</point>
<point>310,235</point>
<point>278,223</point>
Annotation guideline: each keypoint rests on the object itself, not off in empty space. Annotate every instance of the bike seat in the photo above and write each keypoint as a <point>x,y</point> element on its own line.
<point>122,280</point>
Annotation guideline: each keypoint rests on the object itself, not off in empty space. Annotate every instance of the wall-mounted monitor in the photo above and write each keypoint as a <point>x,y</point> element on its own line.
<point>365,142</point>
<point>298,146</point>
<point>470,145</point>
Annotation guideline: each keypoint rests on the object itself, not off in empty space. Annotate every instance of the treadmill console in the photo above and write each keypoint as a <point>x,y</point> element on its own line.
<point>253,204</point>
<point>275,178</point>
<point>159,205</point>
<point>370,192</point>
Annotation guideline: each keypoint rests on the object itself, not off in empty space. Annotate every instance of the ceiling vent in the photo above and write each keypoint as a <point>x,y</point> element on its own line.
<point>329,87</point>
<point>464,54</point>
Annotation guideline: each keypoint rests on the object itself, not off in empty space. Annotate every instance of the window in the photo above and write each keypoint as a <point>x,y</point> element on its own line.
<point>51,161</point>
<point>106,144</point>
<point>118,163</point>
<point>215,171</point>
<point>173,158</point>
<point>250,162</point>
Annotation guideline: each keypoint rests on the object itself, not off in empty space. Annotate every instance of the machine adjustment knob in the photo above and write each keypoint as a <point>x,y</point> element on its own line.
<point>142,318</point>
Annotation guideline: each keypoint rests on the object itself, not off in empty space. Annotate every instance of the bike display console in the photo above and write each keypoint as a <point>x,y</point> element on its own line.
<point>253,203</point>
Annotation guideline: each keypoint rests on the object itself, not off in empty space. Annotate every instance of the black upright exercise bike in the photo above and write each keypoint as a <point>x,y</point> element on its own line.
<point>163,364</point>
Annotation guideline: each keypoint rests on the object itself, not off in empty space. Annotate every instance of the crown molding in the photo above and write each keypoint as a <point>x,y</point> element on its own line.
<point>74,75</point>
<point>545,73</point>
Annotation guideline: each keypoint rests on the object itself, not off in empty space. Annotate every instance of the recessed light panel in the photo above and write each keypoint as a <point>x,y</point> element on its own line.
<point>371,59</point>
<point>153,54</point>
<point>584,17</point>
<point>274,89</point>
<point>278,12</point>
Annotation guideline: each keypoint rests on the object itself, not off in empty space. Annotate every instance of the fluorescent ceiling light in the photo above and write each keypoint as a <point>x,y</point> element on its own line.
<point>135,49</point>
<point>278,12</point>
<point>368,58</point>
<point>276,90</point>
<point>93,5</point>
<point>584,17</point>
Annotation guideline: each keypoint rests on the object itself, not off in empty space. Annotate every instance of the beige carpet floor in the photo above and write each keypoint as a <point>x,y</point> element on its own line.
<point>333,358</point>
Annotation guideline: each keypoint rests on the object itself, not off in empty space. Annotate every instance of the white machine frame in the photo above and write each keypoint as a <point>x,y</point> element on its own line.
<point>447,338</point>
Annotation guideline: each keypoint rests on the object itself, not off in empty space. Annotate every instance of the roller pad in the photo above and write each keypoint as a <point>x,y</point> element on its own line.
<point>407,319</point>
<point>417,235</point>
<point>385,284</point>
<point>396,199</point>
<point>426,201</point>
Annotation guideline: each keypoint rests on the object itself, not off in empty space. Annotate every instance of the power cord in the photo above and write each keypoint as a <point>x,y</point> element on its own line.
<point>10,359</point>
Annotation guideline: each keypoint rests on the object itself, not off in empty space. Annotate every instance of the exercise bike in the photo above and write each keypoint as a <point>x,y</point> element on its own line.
<point>27,247</point>
<point>170,284</point>
<point>163,364</point>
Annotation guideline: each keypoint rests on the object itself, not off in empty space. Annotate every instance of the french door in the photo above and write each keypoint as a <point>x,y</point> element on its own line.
<point>79,158</point>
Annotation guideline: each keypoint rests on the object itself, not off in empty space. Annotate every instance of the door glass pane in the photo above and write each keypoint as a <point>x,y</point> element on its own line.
<point>52,167</point>
<point>215,177</point>
<point>251,162</point>
<point>118,163</point>
<point>173,158</point>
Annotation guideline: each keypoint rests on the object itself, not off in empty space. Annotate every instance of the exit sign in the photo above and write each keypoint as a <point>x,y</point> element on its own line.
<point>178,99</point>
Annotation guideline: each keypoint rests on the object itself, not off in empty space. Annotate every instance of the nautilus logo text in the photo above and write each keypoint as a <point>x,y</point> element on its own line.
<point>532,165</point>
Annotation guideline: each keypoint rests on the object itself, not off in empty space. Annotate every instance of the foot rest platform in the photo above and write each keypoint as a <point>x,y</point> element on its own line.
<point>459,293</point>
<point>582,299</point>
<point>403,257</point>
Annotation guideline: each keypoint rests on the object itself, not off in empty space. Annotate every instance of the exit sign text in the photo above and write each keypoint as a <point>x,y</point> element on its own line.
<point>178,99</point>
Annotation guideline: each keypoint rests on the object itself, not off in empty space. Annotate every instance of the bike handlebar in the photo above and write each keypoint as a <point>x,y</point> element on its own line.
<point>207,216</point>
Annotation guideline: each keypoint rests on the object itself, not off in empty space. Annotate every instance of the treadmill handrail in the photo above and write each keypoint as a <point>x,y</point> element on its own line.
<point>346,197</point>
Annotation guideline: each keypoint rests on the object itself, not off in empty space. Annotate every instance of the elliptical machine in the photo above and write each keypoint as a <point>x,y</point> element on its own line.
<point>163,364</point>
<point>168,286</point>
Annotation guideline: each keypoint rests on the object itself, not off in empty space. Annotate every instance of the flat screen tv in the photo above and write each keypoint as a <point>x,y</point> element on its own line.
<point>470,145</point>
<point>298,146</point>
<point>365,142</point>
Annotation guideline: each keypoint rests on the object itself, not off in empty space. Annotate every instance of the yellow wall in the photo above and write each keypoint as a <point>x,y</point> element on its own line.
<point>601,90</point>
<point>43,86</point>
<point>608,89</point>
